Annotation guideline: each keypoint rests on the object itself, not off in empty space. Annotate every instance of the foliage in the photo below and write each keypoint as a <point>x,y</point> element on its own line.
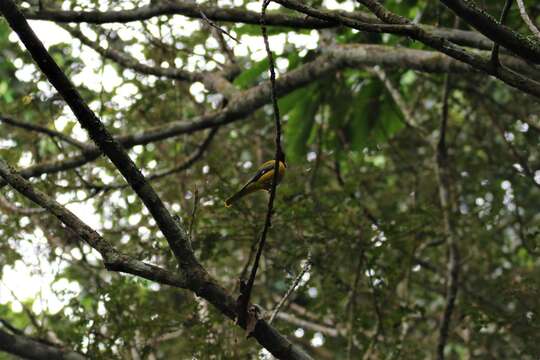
<point>360,198</point>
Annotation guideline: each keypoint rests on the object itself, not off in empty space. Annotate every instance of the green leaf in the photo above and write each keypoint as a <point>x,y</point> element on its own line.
<point>303,105</point>
<point>374,118</point>
<point>364,114</point>
<point>248,77</point>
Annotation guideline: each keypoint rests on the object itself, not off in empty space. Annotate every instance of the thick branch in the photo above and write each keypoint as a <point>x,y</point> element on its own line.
<point>403,27</point>
<point>487,25</point>
<point>28,348</point>
<point>113,260</point>
<point>108,145</point>
<point>246,102</point>
<point>198,279</point>
<point>185,8</point>
<point>236,15</point>
<point>479,62</point>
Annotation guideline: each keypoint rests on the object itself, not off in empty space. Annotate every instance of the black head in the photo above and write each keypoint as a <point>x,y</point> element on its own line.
<point>281,157</point>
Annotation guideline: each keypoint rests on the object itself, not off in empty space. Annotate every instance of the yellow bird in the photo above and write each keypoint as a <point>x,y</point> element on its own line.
<point>261,181</point>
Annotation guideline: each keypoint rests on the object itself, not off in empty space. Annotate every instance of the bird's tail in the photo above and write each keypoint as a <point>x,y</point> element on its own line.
<point>240,194</point>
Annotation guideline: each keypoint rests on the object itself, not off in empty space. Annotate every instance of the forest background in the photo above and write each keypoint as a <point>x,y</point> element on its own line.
<point>407,225</point>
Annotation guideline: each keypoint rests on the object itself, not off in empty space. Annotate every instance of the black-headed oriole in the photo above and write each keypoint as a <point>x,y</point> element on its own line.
<point>262,180</point>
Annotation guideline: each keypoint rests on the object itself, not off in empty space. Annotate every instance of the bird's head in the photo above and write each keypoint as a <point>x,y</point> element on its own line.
<point>281,158</point>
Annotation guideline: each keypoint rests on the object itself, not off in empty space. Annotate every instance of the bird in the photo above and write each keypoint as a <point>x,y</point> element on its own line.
<point>262,180</point>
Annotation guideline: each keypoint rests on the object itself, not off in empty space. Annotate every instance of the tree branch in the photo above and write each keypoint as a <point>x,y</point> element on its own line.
<point>500,34</point>
<point>237,15</point>
<point>188,9</point>
<point>504,14</point>
<point>305,268</point>
<point>334,57</point>
<point>25,347</point>
<point>113,260</point>
<point>43,130</point>
<point>408,117</point>
<point>447,208</point>
<point>98,133</point>
<point>527,19</point>
<point>295,320</point>
<point>402,26</point>
<point>196,156</point>
<point>194,275</point>
<point>479,62</point>
<point>215,81</point>
<point>6,205</point>
<point>388,57</point>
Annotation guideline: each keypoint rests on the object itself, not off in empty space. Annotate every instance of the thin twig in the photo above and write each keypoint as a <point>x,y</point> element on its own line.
<point>10,327</point>
<point>408,117</point>
<point>246,289</point>
<point>445,197</point>
<point>378,312</point>
<point>197,155</point>
<point>212,24</point>
<point>193,213</point>
<point>31,316</point>
<point>5,204</point>
<point>43,130</point>
<point>521,160</point>
<point>351,305</point>
<point>495,51</point>
<point>292,288</point>
<point>527,19</point>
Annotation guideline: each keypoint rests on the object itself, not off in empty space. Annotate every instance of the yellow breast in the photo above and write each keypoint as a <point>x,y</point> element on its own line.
<point>266,179</point>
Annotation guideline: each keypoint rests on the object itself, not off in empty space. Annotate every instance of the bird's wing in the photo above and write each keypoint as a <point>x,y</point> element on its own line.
<point>267,167</point>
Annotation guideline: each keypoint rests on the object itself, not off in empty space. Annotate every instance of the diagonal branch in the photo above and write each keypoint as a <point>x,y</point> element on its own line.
<point>401,26</point>
<point>504,14</point>
<point>196,156</point>
<point>305,268</point>
<point>479,62</point>
<point>44,130</point>
<point>26,347</point>
<point>113,260</point>
<point>334,57</point>
<point>194,275</point>
<point>131,63</point>
<point>408,117</point>
<point>215,81</point>
<point>107,144</point>
<point>12,208</point>
<point>500,34</point>
<point>527,19</point>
